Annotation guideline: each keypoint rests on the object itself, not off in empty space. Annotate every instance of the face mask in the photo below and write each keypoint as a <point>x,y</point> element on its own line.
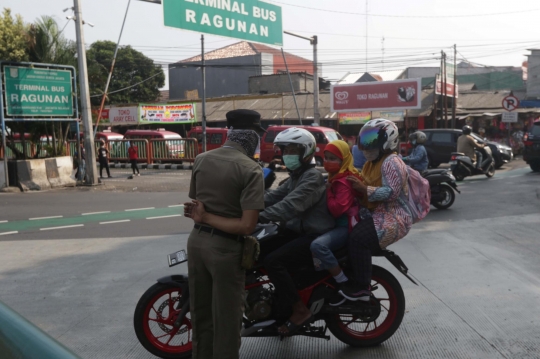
<point>413,142</point>
<point>371,155</point>
<point>292,162</point>
<point>332,167</point>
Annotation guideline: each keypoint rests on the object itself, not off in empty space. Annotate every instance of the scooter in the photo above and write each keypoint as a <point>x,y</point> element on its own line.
<point>443,187</point>
<point>462,166</point>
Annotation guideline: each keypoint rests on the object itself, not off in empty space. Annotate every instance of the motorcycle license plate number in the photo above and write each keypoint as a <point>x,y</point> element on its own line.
<point>453,162</point>
<point>177,258</point>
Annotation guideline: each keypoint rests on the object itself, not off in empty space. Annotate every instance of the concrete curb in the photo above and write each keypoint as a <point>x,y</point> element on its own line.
<point>153,166</point>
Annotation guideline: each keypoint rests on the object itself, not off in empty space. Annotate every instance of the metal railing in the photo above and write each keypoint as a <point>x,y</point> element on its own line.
<point>20,339</point>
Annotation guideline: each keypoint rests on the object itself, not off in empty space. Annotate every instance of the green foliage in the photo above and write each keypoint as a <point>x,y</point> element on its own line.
<point>48,45</point>
<point>131,67</point>
<point>13,39</point>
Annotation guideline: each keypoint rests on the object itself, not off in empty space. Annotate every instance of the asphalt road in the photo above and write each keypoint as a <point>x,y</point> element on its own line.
<point>478,265</point>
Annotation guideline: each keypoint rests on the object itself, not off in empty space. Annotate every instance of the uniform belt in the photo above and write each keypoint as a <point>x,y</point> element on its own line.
<point>217,232</point>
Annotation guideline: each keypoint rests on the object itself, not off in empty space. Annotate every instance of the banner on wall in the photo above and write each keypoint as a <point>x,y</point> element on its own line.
<point>396,116</point>
<point>181,113</point>
<point>123,116</point>
<point>354,118</point>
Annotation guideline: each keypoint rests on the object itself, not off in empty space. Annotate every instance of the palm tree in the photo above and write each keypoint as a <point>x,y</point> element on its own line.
<point>48,45</point>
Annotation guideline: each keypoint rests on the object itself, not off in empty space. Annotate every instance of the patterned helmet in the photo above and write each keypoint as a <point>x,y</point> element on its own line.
<point>381,134</point>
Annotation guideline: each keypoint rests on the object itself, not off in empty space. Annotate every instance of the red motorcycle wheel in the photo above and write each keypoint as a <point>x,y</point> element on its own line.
<point>154,317</point>
<point>354,331</point>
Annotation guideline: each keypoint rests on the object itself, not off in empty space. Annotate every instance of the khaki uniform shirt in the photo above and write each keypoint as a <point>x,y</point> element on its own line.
<point>466,144</point>
<point>227,181</point>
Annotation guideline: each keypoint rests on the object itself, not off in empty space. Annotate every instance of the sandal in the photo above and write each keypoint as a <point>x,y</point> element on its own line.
<point>293,328</point>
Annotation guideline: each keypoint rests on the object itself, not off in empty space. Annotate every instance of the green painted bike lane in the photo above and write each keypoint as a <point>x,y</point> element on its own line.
<point>25,225</point>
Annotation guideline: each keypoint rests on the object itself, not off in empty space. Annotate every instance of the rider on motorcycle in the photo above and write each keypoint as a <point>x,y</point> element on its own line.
<point>467,144</point>
<point>301,203</point>
<point>418,159</point>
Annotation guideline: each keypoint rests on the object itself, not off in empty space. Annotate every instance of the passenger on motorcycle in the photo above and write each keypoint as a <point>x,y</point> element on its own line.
<point>343,205</point>
<point>467,144</point>
<point>384,215</point>
<point>418,159</point>
<point>300,202</point>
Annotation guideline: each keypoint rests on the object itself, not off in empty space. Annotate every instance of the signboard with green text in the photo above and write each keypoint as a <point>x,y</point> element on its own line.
<point>250,20</point>
<point>35,91</point>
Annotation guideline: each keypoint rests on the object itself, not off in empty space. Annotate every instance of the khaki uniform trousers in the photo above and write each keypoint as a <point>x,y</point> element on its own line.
<point>216,287</point>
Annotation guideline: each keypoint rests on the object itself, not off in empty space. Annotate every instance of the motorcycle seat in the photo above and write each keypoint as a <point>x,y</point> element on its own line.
<point>433,171</point>
<point>342,253</point>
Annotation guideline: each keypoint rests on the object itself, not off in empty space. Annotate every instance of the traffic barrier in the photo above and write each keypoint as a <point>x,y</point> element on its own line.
<point>32,175</point>
<point>118,150</point>
<point>59,171</point>
<point>172,151</point>
<point>23,340</point>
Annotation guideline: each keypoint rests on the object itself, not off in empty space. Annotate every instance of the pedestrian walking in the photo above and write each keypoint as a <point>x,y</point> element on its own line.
<point>227,189</point>
<point>103,160</point>
<point>133,153</point>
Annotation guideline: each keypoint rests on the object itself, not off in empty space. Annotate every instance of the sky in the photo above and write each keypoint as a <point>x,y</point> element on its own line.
<point>486,32</point>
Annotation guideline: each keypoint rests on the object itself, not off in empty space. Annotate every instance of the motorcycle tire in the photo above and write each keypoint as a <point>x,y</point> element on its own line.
<point>491,170</point>
<point>390,294</point>
<point>154,318</point>
<point>450,197</point>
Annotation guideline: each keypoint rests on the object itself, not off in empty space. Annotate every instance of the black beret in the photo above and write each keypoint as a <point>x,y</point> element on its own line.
<point>244,120</point>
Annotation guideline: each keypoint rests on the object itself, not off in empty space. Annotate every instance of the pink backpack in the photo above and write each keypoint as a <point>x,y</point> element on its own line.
<point>419,195</point>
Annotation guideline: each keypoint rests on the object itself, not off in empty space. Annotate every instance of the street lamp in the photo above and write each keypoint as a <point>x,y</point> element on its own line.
<point>313,41</point>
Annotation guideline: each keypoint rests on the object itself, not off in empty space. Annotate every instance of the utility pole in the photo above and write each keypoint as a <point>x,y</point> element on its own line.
<point>442,91</point>
<point>454,103</point>
<point>445,95</point>
<point>203,95</point>
<point>367,32</point>
<point>91,169</point>
<point>316,113</point>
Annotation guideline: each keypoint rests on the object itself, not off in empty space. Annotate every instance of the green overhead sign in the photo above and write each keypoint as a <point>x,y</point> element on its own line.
<point>249,20</point>
<point>32,91</point>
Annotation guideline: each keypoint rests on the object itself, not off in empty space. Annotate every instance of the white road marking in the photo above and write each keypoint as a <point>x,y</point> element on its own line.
<point>90,214</point>
<point>176,205</point>
<point>6,233</point>
<point>174,215</point>
<point>40,218</point>
<point>139,209</point>
<point>122,221</point>
<point>3,221</point>
<point>63,227</point>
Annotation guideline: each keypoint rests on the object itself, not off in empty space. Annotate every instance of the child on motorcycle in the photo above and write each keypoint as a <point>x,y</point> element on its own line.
<point>342,204</point>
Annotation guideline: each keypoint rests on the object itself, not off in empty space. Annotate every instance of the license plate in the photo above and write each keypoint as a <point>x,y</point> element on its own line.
<point>453,162</point>
<point>177,258</point>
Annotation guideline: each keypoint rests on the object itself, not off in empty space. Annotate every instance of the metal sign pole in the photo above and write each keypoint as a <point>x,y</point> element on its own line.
<point>4,143</point>
<point>204,95</point>
<point>292,87</point>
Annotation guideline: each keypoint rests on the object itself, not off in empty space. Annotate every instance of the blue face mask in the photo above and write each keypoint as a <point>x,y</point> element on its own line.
<point>292,162</point>
<point>413,142</point>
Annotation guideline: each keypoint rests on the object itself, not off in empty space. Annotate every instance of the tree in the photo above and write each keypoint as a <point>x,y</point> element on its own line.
<point>13,39</point>
<point>48,45</point>
<point>131,68</point>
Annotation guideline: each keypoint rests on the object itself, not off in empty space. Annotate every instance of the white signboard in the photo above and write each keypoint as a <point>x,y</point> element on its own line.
<point>123,116</point>
<point>510,117</point>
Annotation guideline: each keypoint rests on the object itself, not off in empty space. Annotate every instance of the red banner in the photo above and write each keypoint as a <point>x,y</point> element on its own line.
<point>374,96</point>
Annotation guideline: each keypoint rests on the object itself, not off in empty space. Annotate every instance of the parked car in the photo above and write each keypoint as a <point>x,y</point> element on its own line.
<point>171,149</point>
<point>442,142</point>
<point>531,151</point>
<point>323,135</point>
<point>215,137</point>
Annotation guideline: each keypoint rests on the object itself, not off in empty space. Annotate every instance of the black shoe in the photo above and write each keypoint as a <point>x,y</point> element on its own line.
<point>355,292</point>
<point>110,176</point>
<point>336,299</point>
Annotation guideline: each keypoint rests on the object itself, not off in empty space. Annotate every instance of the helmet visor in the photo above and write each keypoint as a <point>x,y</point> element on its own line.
<point>369,138</point>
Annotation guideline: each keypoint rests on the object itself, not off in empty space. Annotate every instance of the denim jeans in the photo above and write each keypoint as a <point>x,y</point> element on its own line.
<point>322,248</point>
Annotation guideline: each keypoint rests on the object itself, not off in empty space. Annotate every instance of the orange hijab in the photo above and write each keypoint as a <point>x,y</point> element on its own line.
<point>341,149</point>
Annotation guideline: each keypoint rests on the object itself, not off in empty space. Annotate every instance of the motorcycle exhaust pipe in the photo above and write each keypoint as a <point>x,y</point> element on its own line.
<point>246,332</point>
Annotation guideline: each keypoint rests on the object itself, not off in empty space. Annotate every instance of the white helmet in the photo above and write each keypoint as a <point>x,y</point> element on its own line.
<point>381,134</point>
<point>303,138</point>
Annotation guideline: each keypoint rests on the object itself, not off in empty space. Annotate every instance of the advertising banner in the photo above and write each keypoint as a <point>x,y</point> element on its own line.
<point>181,113</point>
<point>250,20</point>
<point>123,116</point>
<point>354,118</point>
<point>373,96</point>
<point>33,90</point>
<point>450,87</point>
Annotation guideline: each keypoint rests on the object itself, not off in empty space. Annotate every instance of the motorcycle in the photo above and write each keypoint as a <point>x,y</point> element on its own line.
<point>462,166</point>
<point>162,315</point>
<point>443,187</point>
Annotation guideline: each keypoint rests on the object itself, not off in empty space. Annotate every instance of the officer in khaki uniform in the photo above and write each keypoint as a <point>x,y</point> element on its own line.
<point>228,191</point>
